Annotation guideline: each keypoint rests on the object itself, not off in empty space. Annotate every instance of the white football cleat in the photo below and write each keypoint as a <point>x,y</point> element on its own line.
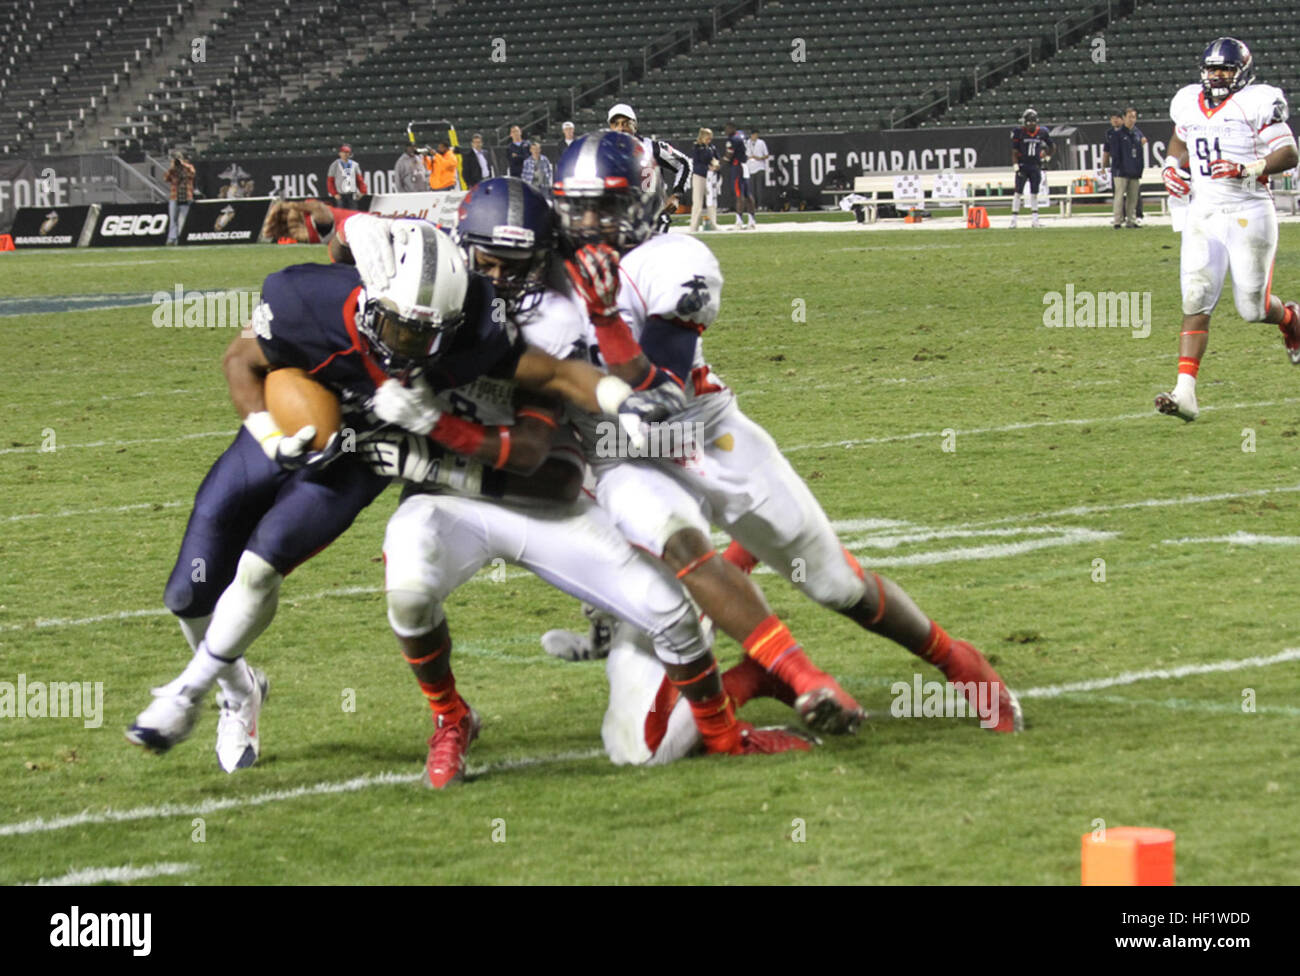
<point>1184,407</point>
<point>239,740</point>
<point>1012,225</point>
<point>568,645</point>
<point>1036,223</point>
<point>169,719</point>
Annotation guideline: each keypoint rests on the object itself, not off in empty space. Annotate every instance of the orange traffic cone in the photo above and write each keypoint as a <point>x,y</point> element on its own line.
<point>1128,856</point>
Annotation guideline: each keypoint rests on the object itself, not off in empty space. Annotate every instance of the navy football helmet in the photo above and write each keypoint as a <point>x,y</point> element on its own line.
<point>506,219</point>
<point>1230,53</point>
<point>605,191</point>
<point>1029,119</point>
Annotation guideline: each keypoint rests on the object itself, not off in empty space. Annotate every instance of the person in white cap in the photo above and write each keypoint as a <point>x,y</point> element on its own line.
<point>674,165</point>
<point>569,136</point>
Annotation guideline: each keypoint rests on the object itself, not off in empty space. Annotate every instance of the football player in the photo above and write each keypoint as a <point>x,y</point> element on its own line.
<point>269,503</point>
<point>673,165</point>
<point>1031,147</point>
<point>1229,135</point>
<point>442,534</point>
<point>737,155</point>
<point>667,290</point>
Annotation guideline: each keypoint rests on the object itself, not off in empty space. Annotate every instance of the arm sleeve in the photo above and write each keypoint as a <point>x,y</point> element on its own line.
<point>1272,123</point>
<point>330,187</point>
<point>670,345</point>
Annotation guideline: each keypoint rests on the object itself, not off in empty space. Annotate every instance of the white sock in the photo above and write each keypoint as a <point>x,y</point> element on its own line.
<point>201,673</point>
<point>1186,384</point>
<point>245,609</point>
<point>751,218</point>
<point>236,680</point>
<point>194,628</point>
<point>739,220</point>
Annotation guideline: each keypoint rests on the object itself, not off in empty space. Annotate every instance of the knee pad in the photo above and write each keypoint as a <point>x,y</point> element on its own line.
<point>1251,306</point>
<point>256,574</point>
<point>413,613</point>
<point>681,641</point>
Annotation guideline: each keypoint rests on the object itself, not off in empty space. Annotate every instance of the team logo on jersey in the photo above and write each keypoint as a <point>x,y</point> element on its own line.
<point>696,297</point>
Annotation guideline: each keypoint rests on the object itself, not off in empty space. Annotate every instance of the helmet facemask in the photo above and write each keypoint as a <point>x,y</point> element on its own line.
<point>401,344</point>
<point>522,278</point>
<point>622,219</point>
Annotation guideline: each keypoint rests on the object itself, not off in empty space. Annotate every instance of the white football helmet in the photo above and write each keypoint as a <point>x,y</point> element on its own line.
<point>411,318</point>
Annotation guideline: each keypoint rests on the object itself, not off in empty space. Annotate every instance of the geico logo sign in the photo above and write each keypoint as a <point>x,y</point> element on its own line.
<point>141,225</point>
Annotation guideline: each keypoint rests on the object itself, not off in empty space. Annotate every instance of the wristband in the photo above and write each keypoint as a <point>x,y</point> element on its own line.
<point>504,454</point>
<point>462,436</point>
<point>264,429</point>
<point>1173,162</point>
<point>610,394</point>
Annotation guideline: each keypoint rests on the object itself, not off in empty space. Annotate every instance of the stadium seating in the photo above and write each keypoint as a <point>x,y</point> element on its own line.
<point>1147,57</point>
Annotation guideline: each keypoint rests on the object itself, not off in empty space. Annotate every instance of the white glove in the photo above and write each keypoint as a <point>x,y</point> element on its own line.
<point>409,407</point>
<point>284,450</point>
<point>417,460</point>
<point>370,239</point>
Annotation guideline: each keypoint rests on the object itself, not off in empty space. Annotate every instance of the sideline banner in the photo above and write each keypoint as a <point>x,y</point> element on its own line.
<point>130,225</point>
<point>52,226</point>
<point>237,221</point>
<point>439,207</point>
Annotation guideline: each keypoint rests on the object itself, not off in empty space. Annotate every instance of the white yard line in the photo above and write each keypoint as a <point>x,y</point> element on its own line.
<point>1237,539</point>
<point>40,825</point>
<point>1025,425</point>
<point>1161,674</point>
<point>154,812</point>
<point>34,449</point>
<point>90,876</point>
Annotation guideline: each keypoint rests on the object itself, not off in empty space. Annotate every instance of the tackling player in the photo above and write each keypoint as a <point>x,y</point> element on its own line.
<point>442,534</point>
<point>667,289</point>
<point>268,504</point>
<point>1229,135</point>
<point>1031,147</point>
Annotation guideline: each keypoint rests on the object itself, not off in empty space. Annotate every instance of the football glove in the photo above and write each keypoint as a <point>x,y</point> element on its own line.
<point>291,451</point>
<point>397,454</point>
<point>409,407</point>
<point>1227,169</point>
<point>1176,179</point>
<point>370,239</point>
<point>594,273</point>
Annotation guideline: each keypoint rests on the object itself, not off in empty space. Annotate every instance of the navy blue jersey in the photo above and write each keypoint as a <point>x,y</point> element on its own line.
<point>736,144</point>
<point>1032,147</point>
<point>307,319</point>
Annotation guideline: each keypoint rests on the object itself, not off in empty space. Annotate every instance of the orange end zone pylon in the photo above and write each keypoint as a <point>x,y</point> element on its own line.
<point>1129,856</point>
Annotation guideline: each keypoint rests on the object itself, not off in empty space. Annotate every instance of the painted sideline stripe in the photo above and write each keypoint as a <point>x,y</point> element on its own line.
<point>113,509</point>
<point>40,825</point>
<point>1161,674</point>
<point>1191,705</point>
<point>1026,425</point>
<point>128,872</point>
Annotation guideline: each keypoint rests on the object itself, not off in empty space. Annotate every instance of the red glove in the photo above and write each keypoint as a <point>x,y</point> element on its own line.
<point>1227,169</point>
<point>594,273</point>
<point>1176,181</point>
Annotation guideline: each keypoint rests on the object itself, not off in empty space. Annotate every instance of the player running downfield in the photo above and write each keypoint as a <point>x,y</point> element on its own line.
<point>1229,136</point>
<point>667,291</point>
<point>1031,149</point>
<point>268,503</point>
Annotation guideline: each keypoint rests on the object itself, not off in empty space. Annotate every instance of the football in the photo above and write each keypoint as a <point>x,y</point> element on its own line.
<point>296,400</point>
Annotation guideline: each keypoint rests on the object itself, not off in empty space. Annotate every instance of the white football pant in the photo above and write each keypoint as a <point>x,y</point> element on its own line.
<point>1241,238</point>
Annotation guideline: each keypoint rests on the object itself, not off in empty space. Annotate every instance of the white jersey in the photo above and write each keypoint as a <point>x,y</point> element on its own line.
<point>676,277</point>
<point>1244,127</point>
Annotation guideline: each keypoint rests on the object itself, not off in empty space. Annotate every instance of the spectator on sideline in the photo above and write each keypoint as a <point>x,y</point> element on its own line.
<point>411,177</point>
<point>442,168</point>
<point>704,160</point>
<point>180,177</point>
<point>1124,157</point>
<point>537,170</point>
<point>345,181</point>
<point>569,136</point>
<point>758,157</point>
<point>517,151</point>
<point>1131,111</point>
<point>476,164</point>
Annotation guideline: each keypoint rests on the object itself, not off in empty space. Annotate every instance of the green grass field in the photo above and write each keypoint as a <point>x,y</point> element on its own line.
<point>1059,462</point>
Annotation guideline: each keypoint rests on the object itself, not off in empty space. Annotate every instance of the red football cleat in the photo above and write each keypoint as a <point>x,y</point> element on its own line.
<point>826,707</point>
<point>967,666</point>
<point>769,741</point>
<point>447,749</point>
<point>1291,336</point>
